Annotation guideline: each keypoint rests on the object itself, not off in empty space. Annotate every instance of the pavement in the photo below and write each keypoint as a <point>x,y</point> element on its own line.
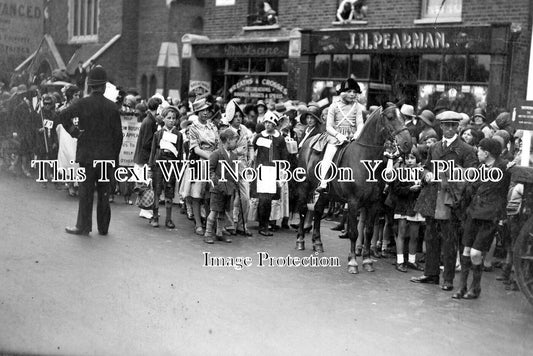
<point>145,291</point>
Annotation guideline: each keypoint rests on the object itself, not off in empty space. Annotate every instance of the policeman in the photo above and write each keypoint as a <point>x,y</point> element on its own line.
<point>99,135</point>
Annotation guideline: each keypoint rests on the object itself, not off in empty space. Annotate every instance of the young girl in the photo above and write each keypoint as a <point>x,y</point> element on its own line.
<point>404,196</point>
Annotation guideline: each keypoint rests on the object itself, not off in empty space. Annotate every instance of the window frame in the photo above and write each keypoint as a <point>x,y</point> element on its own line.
<point>252,13</point>
<point>89,33</point>
<point>330,69</point>
<point>426,19</point>
<point>466,71</point>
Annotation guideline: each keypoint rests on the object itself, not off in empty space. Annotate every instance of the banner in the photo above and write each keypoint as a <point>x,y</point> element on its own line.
<point>130,131</point>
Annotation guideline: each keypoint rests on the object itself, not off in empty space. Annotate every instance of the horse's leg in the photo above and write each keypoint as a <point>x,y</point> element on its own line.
<point>352,234</point>
<point>302,212</point>
<point>371,215</point>
<point>319,210</point>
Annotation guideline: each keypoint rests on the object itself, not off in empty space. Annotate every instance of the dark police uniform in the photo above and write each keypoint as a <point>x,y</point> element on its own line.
<point>99,138</point>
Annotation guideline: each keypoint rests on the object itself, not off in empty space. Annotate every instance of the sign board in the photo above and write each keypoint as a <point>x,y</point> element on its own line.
<point>225,2</point>
<point>21,30</point>
<point>130,131</point>
<point>233,50</point>
<point>258,88</point>
<point>523,116</point>
<point>419,40</point>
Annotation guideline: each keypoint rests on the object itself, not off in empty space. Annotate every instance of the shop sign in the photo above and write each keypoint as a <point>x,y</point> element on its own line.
<point>523,116</point>
<point>408,40</point>
<point>233,50</point>
<point>256,88</point>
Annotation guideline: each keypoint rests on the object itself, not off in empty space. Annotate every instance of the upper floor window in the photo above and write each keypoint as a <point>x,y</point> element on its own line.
<point>441,10</point>
<point>83,20</point>
<point>262,12</point>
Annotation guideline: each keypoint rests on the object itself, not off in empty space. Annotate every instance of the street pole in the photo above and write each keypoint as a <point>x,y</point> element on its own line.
<point>526,138</point>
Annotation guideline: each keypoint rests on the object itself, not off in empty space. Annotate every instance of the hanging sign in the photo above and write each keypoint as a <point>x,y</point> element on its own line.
<point>523,116</point>
<point>258,88</point>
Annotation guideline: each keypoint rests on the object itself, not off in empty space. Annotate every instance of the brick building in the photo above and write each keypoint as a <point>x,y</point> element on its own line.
<point>137,41</point>
<point>463,54</point>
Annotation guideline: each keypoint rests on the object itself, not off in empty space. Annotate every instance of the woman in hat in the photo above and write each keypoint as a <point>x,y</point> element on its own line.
<point>270,146</point>
<point>479,122</point>
<point>203,140</point>
<point>344,123</point>
<point>261,109</point>
<point>312,119</point>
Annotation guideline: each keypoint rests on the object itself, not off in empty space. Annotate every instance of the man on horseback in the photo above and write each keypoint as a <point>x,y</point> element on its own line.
<point>344,123</point>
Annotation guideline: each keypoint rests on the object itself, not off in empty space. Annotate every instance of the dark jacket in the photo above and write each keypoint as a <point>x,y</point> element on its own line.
<point>490,198</point>
<point>215,172</point>
<point>463,155</point>
<point>144,141</point>
<point>276,152</point>
<point>100,129</point>
<point>415,130</point>
<point>157,154</point>
<point>315,131</point>
<point>51,143</point>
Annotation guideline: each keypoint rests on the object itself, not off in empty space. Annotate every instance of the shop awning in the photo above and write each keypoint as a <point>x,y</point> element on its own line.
<point>89,52</point>
<point>168,55</point>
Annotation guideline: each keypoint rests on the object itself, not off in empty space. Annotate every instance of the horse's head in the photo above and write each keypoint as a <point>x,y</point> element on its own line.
<point>395,130</point>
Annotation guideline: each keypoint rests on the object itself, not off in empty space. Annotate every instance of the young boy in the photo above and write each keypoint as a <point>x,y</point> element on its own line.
<point>221,191</point>
<point>167,145</point>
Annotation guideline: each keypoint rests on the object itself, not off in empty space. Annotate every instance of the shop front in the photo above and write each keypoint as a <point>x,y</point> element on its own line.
<point>251,71</point>
<point>454,67</point>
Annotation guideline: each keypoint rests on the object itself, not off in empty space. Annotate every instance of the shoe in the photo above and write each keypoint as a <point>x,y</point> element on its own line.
<point>375,253</point>
<point>295,226</point>
<point>170,224</point>
<point>224,238</point>
<point>190,216</point>
<point>307,229</point>
<point>426,279</point>
<point>447,286</point>
<point>244,232</point>
<point>343,235</point>
<point>208,239</point>
<point>274,228</point>
<point>199,231</point>
<point>265,232</point>
<point>415,266</point>
<point>103,233</point>
<point>229,232</point>
<point>472,294</point>
<point>338,227</point>
<point>401,267</point>
<point>460,294</point>
<point>387,254</point>
<point>76,231</point>
<point>154,222</point>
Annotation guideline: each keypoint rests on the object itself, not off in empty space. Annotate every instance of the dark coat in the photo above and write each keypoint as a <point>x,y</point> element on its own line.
<point>415,130</point>
<point>490,198</point>
<point>156,154</point>
<point>463,155</point>
<point>51,142</point>
<point>100,129</point>
<point>144,141</point>
<point>315,131</point>
<point>215,172</point>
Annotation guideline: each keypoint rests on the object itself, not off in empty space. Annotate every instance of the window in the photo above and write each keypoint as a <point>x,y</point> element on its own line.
<point>342,66</point>
<point>262,12</point>
<point>472,69</point>
<point>83,20</point>
<point>440,11</point>
<point>430,67</point>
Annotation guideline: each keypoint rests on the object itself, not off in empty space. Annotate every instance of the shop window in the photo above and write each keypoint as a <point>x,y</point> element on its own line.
<point>258,65</point>
<point>239,65</point>
<point>277,65</point>
<point>376,70</point>
<point>360,66</point>
<point>83,20</point>
<point>441,11</point>
<point>454,68</point>
<point>262,12</point>
<point>478,68</point>
<point>455,97</point>
<point>322,63</point>
<point>340,65</point>
<point>430,67</point>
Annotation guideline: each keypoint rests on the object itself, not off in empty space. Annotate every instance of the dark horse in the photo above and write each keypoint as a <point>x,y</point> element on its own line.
<point>381,125</point>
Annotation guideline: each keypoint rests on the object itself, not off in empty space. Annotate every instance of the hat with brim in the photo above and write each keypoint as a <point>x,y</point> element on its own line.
<point>427,117</point>
<point>449,117</point>
<point>280,108</point>
<point>479,112</point>
<point>408,110</point>
<point>200,104</point>
<point>491,146</point>
<point>312,110</point>
<point>231,108</point>
<point>261,103</point>
<point>271,117</point>
<point>97,76</point>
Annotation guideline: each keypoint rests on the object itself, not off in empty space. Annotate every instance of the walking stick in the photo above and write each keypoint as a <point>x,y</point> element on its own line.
<point>44,132</point>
